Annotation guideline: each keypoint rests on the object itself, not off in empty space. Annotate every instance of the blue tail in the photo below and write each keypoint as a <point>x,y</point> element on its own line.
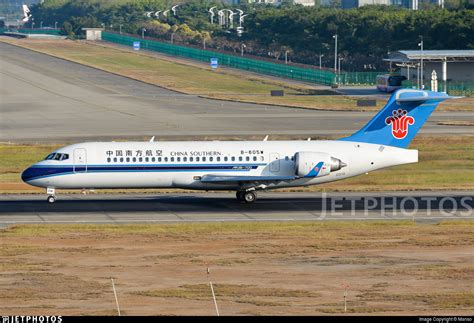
<point>400,119</point>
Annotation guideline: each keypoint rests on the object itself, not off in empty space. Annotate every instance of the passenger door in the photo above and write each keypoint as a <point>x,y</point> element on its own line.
<point>80,160</point>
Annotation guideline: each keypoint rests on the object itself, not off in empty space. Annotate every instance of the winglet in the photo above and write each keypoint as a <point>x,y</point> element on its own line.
<point>152,139</point>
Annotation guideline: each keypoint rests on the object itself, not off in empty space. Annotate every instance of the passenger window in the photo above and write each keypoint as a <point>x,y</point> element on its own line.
<point>240,158</point>
<point>128,159</point>
<point>178,159</point>
<point>262,158</point>
<point>121,159</point>
<point>211,158</point>
<point>185,159</point>
<point>218,159</point>
<point>115,159</point>
<point>203,159</point>
<point>254,158</point>
<point>166,159</point>
<point>134,159</point>
<point>172,159</point>
<point>197,159</point>
<point>109,160</point>
<point>233,158</point>
<point>146,159</point>
<point>190,159</point>
<point>152,159</point>
<point>159,159</point>
<point>140,159</point>
<point>247,158</point>
<point>225,158</point>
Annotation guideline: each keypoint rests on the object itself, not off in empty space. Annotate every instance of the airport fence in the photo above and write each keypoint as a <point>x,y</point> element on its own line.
<point>32,31</point>
<point>359,78</point>
<point>253,65</point>
<point>452,88</point>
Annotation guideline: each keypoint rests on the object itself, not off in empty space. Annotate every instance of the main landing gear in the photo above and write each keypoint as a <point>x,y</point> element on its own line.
<point>51,195</point>
<point>246,196</point>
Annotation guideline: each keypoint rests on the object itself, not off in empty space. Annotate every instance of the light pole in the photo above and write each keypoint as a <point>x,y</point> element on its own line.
<point>286,57</point>
<point>339,70</point>
<point>143,32</point>
<point>103,25</point>
<point>172,36</point>
<point>55,25</point>
<point>120,29</point>
<point>335,53</point>
<point>174,9</point>
<point>242,49</point>
<point>422,86</point>
<point>211,11</point>
<point>320,65</point>
<point>32,24</point>
<point>41,25</point>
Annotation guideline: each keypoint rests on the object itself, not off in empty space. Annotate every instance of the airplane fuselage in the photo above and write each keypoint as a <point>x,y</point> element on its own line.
<point>184,164</point>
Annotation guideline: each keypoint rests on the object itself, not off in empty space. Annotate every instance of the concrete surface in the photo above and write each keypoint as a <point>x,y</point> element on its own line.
<point>46,99</point>
<point>219,207</point>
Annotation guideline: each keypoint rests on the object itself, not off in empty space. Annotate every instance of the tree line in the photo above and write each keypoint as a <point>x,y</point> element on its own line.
<point>302,34</point>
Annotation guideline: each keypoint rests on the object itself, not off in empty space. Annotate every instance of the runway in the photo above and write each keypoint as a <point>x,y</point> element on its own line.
<point>222,207</point>
<point>46,99</point>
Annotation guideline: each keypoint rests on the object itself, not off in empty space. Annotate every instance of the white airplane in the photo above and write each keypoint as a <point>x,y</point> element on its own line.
<point>26,13</point>
<point>242,166</point>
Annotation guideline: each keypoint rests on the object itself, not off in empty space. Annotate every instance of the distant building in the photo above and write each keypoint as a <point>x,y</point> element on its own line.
<point>348,4</point>
<point>275,2</point>
<point>450,65</point>
<point>410,4</point>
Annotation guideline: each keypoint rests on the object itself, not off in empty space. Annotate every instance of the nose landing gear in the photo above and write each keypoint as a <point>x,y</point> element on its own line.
<point>51,195</point>
<point>246,196</point>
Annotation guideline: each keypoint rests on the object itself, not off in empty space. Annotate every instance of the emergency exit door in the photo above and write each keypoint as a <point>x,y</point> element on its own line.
<point>274,162</point>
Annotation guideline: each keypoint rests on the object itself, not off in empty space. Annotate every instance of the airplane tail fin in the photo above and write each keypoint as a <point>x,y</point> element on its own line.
<point>400,119</point>
<point>26,13</point>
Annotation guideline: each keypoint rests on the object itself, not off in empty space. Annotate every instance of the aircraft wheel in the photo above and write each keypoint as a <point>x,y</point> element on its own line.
<point>250,197</point>
<point>51,199</point>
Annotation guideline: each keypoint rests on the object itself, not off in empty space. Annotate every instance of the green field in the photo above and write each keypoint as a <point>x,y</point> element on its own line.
<point>444,163</point>
<point>258,268</point>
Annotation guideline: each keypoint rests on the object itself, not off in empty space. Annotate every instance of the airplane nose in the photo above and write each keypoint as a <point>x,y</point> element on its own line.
<point>27,174</point>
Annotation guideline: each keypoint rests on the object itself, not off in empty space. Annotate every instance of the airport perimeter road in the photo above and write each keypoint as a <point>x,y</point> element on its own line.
<point>51,100</point>
<point>222,207</point>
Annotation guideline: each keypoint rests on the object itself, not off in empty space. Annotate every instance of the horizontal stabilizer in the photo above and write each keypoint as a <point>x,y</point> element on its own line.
<point>236,179</point>
<point>407,95</point>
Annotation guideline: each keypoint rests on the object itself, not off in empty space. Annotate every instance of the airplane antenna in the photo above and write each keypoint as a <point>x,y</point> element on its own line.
<point>152,139</point>
<point>266,138</point>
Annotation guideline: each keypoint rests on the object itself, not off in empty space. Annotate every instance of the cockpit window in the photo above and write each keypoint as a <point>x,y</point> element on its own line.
<point>57,156</point>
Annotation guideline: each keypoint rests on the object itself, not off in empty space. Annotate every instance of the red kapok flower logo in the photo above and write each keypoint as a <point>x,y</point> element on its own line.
<point>399,121</point>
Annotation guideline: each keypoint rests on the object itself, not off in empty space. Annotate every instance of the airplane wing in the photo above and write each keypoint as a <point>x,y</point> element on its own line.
<point>223,179</point>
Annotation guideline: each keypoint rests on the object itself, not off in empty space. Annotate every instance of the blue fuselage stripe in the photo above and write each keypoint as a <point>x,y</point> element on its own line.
<point>43,171</point>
